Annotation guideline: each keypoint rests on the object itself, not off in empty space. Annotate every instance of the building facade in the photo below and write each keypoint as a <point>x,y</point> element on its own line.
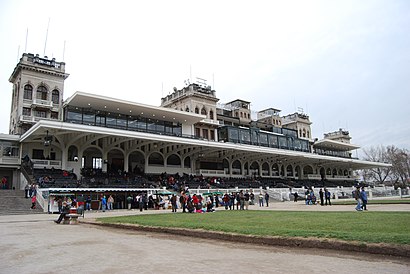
<point>189,133</point>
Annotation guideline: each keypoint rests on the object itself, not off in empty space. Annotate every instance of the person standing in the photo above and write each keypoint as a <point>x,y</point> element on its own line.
<point>327,197</point>
<point>141,201</point>
<point>363,196</point>
<point>174,203</point>
<point>295,196</point>
<point>88,203</point>
<point>183,201</point>
<point>321,197</point>
<point>110,202</point>
<point>260,199</point>
<point>103,203</point>
<point>267,199</point>
<point>246,200</point>
<point>26,191</point>
<point>4,182</point>
<point>129,202</point>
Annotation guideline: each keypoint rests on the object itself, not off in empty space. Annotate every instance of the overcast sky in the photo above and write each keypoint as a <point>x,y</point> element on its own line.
<point>345,63</point>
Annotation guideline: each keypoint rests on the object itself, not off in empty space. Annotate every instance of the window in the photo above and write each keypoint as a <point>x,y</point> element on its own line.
<point>55,97</point>
<point>197,132</point>
<point>196,110</point>
<point>41,93</point>
<point>212,132</point>
<point>54,115</point>
<point>28,92</point>
<point>187,109</point>
<point>41,113</point>
<point>27,111</point>
<point>203,111</point>
<point>205,133</point>
<point>97,163</point>
<point>211,114</point>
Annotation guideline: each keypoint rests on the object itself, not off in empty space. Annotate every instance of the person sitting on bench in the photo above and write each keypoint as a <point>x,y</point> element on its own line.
<point>65,210</point>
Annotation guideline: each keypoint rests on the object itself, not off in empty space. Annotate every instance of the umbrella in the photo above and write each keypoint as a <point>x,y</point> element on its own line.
<point>218,193</point>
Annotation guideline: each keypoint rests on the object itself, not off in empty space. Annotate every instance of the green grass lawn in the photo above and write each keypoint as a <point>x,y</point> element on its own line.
<point>370,227</point>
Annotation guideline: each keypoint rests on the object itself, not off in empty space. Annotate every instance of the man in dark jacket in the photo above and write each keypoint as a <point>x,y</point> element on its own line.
<point>64,211</point>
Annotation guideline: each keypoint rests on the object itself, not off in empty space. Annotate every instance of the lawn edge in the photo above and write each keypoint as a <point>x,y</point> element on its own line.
<point>298,242</point>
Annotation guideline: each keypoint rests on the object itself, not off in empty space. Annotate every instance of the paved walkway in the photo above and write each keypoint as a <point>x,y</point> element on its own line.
<point>35,244</point>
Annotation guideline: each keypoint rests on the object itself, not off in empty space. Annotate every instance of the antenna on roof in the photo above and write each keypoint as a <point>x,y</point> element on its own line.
<point>18,53</point>
<point>45,43</point>
<point>63,50</point>
<point>25,47</point>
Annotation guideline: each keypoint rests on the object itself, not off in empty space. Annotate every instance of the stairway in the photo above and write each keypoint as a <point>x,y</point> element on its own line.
<point>12,202</point>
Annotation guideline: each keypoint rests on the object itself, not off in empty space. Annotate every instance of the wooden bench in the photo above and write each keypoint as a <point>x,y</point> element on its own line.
<point>71,219</point>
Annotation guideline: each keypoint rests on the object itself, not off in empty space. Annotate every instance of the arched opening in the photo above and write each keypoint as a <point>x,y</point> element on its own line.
<point>236,168</point>
<point>55,97</point>
<point>115,161</point>
<point>275,169</point>
<point>203,111</point>
<point>28,92</point>
<point>345,172</point>
<point>72,153</point>
<point>41,93</point>
<point>265,169</point>
<point>289,171</point>
<point>187,162</point>
<point>92,159</point>
<point>156,159</point>
<point>307,170</point>
<point>136,162</point>
<point>254,169</point>
<point>174,160</point>
<point>225,165</point>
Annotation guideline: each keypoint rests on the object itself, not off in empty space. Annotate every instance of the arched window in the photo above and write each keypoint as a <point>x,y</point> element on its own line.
<point>197,110</point>
<point>211,115</point>
<point>203,111</point>
<point>28,92</point>
<point>41,93</point>
<point>55,97</point>
<point>187,109</point>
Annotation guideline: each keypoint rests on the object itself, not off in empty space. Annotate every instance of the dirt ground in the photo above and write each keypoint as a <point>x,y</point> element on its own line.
<point>35,244</point>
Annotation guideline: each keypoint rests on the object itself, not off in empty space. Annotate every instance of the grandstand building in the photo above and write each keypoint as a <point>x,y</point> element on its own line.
<point>189,133</point>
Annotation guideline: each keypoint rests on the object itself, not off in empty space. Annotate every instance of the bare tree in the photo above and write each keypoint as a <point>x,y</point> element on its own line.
<point>400,159</point>
<point>377,154</point>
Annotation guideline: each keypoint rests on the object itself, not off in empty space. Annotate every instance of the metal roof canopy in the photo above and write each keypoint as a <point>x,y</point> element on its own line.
<point>334,145</point>
<point>108,104</point>
<point>246,152</point>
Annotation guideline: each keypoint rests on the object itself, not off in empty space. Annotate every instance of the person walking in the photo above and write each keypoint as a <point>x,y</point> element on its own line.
<point>356,195</point>
<point>363,196</point>
<point>267,199</point>
<point>33,202</point>
<point>327,197</point>
<point>129,202</point>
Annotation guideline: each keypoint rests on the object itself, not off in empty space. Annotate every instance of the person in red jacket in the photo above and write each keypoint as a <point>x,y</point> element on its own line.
<point>33,202</point>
